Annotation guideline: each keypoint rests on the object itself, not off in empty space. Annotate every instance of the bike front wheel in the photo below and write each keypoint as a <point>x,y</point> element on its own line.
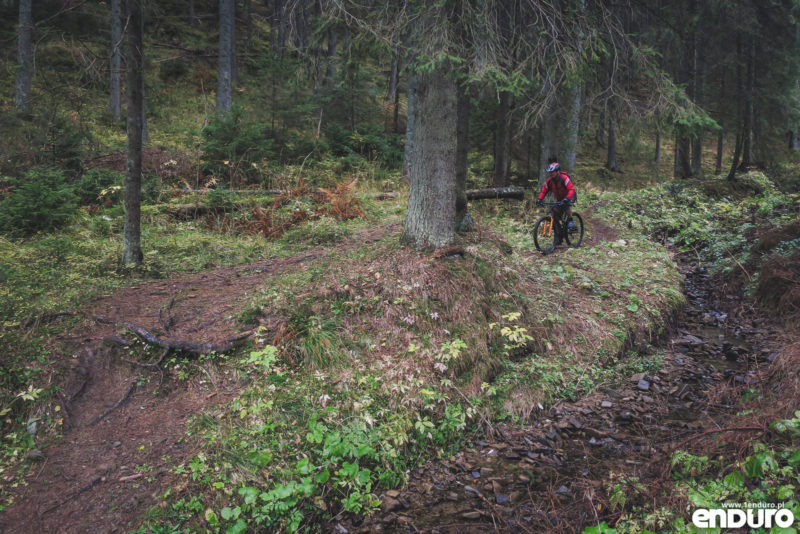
<point>575,235</point>
<point>544,234</point>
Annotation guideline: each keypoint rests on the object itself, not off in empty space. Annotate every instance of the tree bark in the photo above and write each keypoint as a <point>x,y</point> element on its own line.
<point>611,153</point>
<point>431,214</point>
<point>227,14</point>
<point>657,153</point>
<point>502,143</point>
<point>24,56</point>
<point>571,129</point>
<point>697,156</point>
<point>599,135</point>
<point>115,81</point>
<point>683,163</point>
<point>131,234</point>
<point>718,161</point>
<point>748,139</point>
<point>737,151</point>
<point>548,143</point>
<point>794,141</point>
<point>464,221</point>
<point>192,18</point>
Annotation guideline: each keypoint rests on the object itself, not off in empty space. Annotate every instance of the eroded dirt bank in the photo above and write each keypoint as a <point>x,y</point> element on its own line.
<point>551,476</point>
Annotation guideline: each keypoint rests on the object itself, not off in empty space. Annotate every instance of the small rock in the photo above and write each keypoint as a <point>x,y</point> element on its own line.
<point>563,490</point>
<point>485,471</point>
<point>574,422</point>
<point>452,496</point>
<point>471,515</point>
<point>394,494</point>
<point>389,504</point>
<point>643,384</point>
<point>470,489</point>
<point>637,377</point>
<point>502,499</point>
<point>116,444</point>
<point>35,455</point>
<point>606,404</point>
<point>476,474</point>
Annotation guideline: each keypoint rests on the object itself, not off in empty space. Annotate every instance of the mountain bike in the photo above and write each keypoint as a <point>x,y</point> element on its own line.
<point>549,227</point>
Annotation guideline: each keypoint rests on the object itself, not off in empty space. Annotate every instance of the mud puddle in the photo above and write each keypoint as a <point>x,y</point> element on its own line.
<point>550,475</point>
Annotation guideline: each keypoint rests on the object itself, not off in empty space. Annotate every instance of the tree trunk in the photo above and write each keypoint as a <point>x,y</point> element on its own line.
<point>145,131</point>
<point>718,161</point>
<point>25,56</point>
<point>131,234</point>
<point>737,151</point>
<point>571,130</point>
<point>502,143</point>
<point>330,73</point>
<point>464,221</point>
<point>115,82</point>
<point>657,154</point>
<point>794,141</point>
<point>431,214</point>
<point>599,135</point>
<point>696,168</point>
<point>227,13</point>
<point>192,16</point>
<point>683,163</point>
<point>548,143</point>
<point>611,153</point>
<point>749,109</point>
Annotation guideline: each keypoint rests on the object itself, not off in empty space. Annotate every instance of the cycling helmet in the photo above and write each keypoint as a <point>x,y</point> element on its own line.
<point>553,167</point>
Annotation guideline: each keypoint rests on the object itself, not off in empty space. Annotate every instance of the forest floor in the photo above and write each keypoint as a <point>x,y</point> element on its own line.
<point>555,474</point>
<point>125,425</point>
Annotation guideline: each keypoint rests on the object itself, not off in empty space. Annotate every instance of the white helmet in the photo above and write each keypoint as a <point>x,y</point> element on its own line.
<point>553,167</point>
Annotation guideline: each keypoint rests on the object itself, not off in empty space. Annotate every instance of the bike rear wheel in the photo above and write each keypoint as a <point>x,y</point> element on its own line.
<point>544,234</point>
<point>575,236</point>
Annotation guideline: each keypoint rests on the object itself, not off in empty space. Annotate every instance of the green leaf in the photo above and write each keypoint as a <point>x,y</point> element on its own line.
<point>229,513</point>
<point>250,494</point>
<point>238,528</point>
<point>211,517</point>
<point>735,479</point>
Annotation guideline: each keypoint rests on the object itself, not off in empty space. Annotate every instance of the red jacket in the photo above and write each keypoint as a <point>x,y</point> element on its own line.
<point>560,185</point>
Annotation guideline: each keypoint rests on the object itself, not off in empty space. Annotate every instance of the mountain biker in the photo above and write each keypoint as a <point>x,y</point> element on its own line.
<point>559,183</point>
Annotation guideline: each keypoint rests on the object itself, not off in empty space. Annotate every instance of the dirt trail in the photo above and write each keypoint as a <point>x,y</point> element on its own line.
<point>125,426</point>
<point>546,477</point>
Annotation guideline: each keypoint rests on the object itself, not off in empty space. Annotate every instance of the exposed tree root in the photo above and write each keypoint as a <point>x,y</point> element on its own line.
<point>177,344</point>
<point>119,403</point>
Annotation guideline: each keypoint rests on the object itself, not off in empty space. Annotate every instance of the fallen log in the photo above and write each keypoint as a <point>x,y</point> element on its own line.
<point>517,193</point>
<point>472,194</point>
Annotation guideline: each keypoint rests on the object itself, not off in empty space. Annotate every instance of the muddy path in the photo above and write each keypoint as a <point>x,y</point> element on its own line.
<point>550,475</point>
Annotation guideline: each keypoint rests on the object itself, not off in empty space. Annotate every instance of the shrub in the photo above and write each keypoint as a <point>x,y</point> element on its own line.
<point>93,182</point>
<point>233,149</point>
<point>39,201</point>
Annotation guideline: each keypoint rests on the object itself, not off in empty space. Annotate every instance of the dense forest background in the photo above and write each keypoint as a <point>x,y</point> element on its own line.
<point>322,83</point>
<point>242,287</point>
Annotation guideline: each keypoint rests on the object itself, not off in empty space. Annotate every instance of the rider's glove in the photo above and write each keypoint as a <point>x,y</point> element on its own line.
<point>539,202</point>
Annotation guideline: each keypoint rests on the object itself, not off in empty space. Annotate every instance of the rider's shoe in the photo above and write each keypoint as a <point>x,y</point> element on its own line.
<point>557,241</point>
